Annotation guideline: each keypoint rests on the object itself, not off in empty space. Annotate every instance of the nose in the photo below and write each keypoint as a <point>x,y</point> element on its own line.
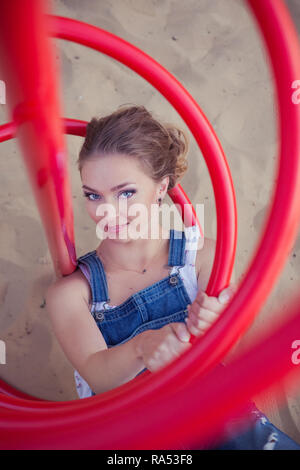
<point>115,214</point>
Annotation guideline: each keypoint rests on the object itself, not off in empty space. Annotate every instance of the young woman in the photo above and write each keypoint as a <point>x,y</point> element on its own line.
<point>125,308</point>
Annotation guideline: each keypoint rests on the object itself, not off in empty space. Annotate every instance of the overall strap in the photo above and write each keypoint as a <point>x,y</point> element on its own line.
<point>177,248</point>
<point>98,281</point>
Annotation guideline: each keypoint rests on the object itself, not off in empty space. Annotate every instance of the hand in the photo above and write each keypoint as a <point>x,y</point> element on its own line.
<point>159,347</point>
<point>205,310</point>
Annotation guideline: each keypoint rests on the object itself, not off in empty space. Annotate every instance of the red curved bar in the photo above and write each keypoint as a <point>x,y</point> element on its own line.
<point>193,400</point>
<point>7,131</point>
<point>201,407</point>
<point>283,46</point>
<point>28,66</point>
<point>144,65</point>
<point>78,128</point>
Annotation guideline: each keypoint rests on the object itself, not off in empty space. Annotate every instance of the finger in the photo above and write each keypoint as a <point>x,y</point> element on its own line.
<point>152,365</point>
<point>165,351</point>
<point>227,294</point>
<point>214,306</point>
<point>199,322</point>
<point>181,331</point>
<point>196,331</point>
<point>205,315</point>
<point>173,349</point>
<point>192,329</point>
<point>206,301</point>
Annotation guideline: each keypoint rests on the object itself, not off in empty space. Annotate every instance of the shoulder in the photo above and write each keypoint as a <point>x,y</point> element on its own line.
<point>204,260</point>
<point>74,284</point>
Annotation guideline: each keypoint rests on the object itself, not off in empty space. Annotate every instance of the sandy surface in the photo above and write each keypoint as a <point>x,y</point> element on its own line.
<point>213,49</point>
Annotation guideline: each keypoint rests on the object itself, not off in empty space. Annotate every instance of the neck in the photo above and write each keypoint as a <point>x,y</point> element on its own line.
<point>133,254</point>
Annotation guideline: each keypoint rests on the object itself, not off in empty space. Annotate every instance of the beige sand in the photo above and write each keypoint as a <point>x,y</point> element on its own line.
<point>213,48</point>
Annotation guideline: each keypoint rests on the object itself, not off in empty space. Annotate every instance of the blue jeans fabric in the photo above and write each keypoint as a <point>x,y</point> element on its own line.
<point>260,435</point>
<point>151,308</point>
<point>263,435</point>
<point>155,306</point>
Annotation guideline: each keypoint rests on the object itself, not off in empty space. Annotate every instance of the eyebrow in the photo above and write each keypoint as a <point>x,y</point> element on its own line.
<point>119,186</point>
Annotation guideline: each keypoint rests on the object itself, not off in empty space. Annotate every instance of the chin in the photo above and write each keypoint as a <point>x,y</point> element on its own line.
<point>119,240</point>
<point>116,238</point>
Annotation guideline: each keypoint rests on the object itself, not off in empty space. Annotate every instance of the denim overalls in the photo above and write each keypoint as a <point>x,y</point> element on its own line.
<point>155,306</point>
<point>151,308</point>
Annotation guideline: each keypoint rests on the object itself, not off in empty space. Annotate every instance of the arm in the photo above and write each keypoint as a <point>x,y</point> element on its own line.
<point>82,341</point>
<point>205,309</point>
<point>204,261</point>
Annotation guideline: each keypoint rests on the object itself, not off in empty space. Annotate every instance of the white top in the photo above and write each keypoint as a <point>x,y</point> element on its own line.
<point>188,275</point>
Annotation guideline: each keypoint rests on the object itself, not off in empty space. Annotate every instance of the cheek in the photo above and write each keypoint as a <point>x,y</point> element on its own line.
<point>91,209</point>
<point>145,196</point>
<point>144,212</point>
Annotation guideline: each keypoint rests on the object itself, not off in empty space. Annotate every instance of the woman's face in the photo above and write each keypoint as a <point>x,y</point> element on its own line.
<point>101,174</point>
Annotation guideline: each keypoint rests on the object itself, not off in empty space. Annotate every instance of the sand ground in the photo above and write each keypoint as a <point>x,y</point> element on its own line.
<point>212,47</point>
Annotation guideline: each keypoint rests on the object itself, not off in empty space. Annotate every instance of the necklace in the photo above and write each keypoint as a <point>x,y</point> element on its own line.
<point>145,269</point>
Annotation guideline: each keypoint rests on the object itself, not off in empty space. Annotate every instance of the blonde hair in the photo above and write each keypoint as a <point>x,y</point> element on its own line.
<point>132,130</point>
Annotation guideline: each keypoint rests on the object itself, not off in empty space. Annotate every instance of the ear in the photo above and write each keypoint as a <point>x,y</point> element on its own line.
<point>163,187</point>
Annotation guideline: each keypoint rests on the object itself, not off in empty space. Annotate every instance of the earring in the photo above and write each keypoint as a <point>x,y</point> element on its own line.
<point>159,201</point>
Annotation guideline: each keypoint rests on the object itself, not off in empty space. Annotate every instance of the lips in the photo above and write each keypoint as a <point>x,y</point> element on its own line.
<point>116,228</point>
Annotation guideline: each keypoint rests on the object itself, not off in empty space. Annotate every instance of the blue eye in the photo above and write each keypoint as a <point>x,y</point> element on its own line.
<point>133,191</point>
<point>95,197</point>
<point>87,195</point>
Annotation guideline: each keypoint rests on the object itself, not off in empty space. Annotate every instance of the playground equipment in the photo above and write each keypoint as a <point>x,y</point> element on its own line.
<point>102,421</point>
